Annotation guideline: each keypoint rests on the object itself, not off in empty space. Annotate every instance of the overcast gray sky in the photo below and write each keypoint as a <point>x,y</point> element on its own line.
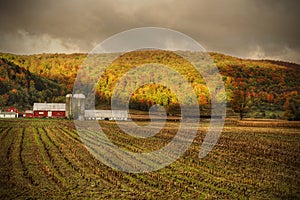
<point>244,28</point>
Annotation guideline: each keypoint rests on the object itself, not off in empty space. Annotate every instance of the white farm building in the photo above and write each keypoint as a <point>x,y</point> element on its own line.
<point>8,115</point>
<point>106,115</point>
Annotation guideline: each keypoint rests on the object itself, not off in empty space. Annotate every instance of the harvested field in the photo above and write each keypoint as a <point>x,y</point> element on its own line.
<point>45,159</point>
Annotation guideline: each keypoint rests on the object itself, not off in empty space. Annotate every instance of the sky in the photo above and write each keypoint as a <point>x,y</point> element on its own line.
<point>255,29</point>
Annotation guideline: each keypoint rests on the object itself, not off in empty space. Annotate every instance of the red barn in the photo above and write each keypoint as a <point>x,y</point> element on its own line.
<point>49,110</point>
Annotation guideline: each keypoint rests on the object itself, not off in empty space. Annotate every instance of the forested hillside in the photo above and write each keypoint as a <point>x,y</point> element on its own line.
<point>264,88</point>
<point>61,68</point>
<point>20,87</point>
<point>272,88</point>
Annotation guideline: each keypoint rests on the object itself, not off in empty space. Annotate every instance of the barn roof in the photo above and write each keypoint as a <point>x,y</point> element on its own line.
<point>49,106</point>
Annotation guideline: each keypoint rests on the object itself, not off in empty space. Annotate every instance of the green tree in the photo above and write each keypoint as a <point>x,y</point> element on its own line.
<point>3,102</point>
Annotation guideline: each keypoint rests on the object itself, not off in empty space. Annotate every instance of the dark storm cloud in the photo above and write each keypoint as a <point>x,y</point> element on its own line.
<point>252,28</point>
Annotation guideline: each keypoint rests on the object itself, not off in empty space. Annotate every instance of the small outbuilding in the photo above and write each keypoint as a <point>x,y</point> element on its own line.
<point>29,114</point>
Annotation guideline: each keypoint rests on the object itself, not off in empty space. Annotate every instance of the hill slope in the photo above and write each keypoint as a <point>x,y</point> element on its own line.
<point>270,84</point>
<point>21,88</point>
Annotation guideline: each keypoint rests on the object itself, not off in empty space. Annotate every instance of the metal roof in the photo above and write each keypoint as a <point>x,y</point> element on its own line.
<point>78,96</point>
<point>8,113</point>
<point>49,106</point>
<point>106,113</point>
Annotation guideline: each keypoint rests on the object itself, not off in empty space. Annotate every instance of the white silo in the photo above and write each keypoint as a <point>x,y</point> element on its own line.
<point>78,106</point>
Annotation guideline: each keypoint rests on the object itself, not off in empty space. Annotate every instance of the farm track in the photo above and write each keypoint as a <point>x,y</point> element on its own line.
<point>46,159</point>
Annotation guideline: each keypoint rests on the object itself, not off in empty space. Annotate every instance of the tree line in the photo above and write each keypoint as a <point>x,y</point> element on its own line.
<point>269,88</point>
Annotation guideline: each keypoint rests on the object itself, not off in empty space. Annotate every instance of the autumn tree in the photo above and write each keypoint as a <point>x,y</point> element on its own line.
<point>292,108</point>
<point>240,100</point>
